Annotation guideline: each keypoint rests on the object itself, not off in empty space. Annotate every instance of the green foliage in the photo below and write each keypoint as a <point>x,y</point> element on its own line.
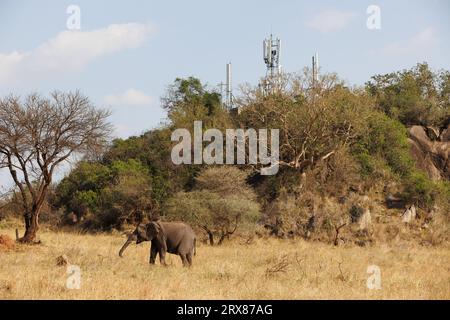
<point>153,150</point>
<point>332,138</point>
<point>420,189</point>
<point>415,96</point>
<point>384,150</point>
<point>212,212</point>
<point>137,174</point>
<point>383,143</point>
<point>127,197</point>
<point>106,196</point>
<point>220,203</point>
<point>315,126</point>
<point>187,100</point>
<point>84,200</point>
<point>79,191</point>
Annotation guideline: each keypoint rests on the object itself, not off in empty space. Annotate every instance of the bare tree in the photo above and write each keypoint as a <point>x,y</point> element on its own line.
<point>37,134</point>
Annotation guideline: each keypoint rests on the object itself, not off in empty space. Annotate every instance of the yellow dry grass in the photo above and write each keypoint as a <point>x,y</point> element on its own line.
<point>264,269</point>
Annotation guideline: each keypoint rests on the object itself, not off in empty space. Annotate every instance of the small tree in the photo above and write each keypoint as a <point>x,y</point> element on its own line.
<point>221,202</point>
<point>37,134</point>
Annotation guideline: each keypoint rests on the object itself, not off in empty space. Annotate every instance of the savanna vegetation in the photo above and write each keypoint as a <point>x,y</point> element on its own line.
<point>338,145</point>
<point>265,268</point>
<point>317,224</point>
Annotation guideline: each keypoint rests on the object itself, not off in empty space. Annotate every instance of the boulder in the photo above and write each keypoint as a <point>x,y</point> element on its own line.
<point>430,155</point>
<point>423,160</point>
<point>360,216</point>
<point>356,212</point>
<point>365,220</point>
<point>409,215</point>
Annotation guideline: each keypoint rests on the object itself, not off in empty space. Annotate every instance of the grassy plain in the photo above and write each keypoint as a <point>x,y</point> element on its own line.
<point>263,269</point>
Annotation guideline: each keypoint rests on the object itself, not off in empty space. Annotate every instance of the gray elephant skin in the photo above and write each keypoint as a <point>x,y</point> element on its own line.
<point>172,237</point>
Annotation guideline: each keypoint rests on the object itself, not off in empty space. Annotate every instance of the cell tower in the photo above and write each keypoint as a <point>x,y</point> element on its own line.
<point>315,69</point>
<point>227,94</point>
<point>271,55</point>
<point>228,88</point>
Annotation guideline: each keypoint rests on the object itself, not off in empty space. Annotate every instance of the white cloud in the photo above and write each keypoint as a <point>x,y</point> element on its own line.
<point>329,21</point>
<point>131,97</point>
<point>71,51</point>
<point>424,40</point>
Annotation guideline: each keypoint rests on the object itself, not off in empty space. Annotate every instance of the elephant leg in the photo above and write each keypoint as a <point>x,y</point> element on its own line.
<point>184,260</point>
<point>189,258</point>
<point>162,257</point>
<point>153,253</point>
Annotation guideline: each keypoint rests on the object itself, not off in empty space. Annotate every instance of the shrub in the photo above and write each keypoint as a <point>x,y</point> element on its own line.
<point>415,96</point>
<point>220,203</point>
<point>384,143</point>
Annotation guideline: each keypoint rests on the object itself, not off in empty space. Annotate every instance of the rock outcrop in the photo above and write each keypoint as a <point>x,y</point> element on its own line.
<point>430,148</point>
<point>409,215</point>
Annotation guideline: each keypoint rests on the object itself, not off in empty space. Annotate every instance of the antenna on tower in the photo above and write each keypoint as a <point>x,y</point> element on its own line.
<point>271,56</point>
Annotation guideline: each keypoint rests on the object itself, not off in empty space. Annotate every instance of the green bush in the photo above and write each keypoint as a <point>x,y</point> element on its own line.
<point>420,189</point>
<point>415,96</point>
<point>221,202</point>
<point>218,216</point>
<point>384,143</point>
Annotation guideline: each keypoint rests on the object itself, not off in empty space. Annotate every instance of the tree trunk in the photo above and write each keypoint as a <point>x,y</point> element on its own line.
<point>211,238</point>
<point>225,235</point>
<point>31,225</point>
<point>222,237</point>
<point>210,235</point>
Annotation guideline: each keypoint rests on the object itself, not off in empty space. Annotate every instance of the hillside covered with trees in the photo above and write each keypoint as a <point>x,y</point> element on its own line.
<point>344,151</point>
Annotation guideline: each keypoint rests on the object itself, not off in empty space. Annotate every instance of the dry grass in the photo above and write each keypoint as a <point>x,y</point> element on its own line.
<point>262,269</point>
<point>6,243</point>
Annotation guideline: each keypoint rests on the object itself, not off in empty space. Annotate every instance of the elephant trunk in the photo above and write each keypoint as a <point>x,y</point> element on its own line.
<point>127,243</point>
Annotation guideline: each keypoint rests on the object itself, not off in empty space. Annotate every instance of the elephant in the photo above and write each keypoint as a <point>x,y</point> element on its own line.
<point>172,237</point>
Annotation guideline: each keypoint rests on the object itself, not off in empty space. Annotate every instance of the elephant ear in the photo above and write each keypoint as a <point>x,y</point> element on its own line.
<point>153,229</point>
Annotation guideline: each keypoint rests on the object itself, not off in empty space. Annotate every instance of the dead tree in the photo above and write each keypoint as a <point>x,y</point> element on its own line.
<point>37,134</point>
<point>337,229</point>
<point>226,233</point>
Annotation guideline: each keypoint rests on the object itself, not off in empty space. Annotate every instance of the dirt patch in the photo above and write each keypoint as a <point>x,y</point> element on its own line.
<point>6,243</point>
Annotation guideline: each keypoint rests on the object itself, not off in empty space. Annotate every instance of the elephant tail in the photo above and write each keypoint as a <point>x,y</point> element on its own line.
<point>195,246</point>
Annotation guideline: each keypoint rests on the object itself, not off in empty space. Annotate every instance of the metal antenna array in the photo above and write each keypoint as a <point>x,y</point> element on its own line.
<point>271,55</point>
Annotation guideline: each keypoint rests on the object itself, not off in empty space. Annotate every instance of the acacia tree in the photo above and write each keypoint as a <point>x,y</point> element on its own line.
<point>37,134</point>
<point>221,202</point>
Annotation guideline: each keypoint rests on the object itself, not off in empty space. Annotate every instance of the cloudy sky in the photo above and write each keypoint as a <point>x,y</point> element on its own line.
<point>126,53</point>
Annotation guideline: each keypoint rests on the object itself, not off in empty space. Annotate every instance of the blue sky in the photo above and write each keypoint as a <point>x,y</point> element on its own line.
<point>127,52</point>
